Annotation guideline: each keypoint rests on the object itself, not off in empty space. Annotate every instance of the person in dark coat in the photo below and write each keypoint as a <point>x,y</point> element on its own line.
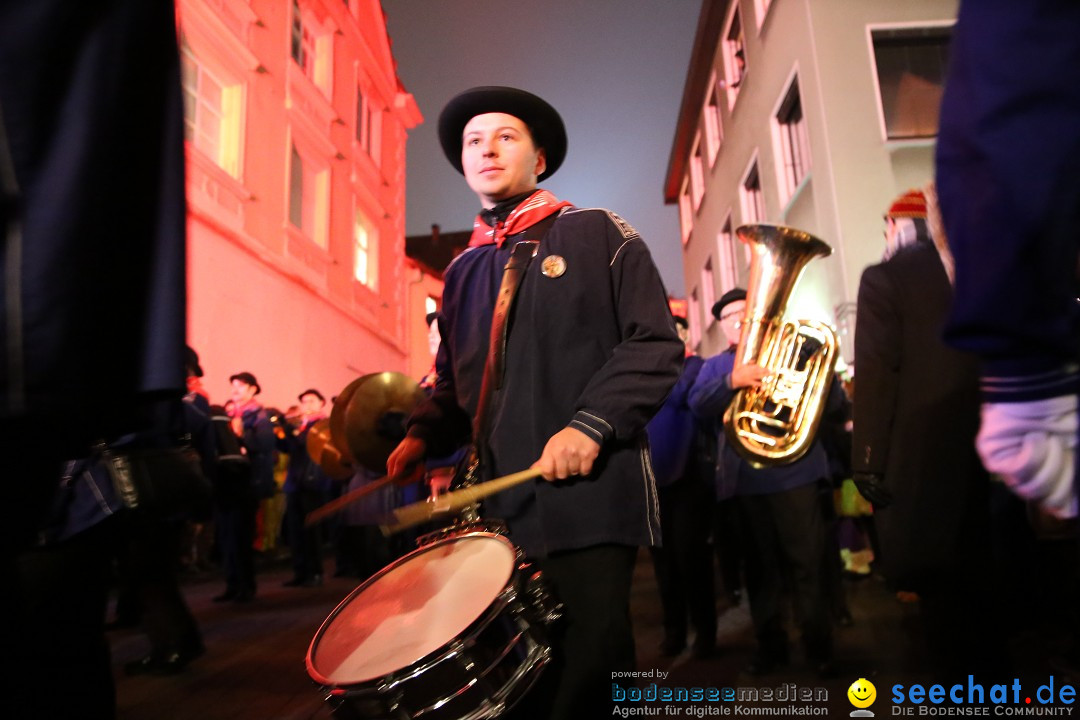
<point>780,509</point>
<point>589,355</point>
<point>239,496</point>
<point>1006,162</point>
<point>92,315</point>
<point>684,479</point>
<point>1006,159</point>
<point>915,418</point>
<point>151,548</point>
<point>306,488</point>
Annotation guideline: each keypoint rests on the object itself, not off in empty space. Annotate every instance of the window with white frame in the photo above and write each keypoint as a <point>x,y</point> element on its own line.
<point>793,140</point>
<point>686,212</point>
<point>302,45</point>
<point>211,112</point>
<point>697,173</point>
<point>734,49</point>
<point>694,318</point>
<point>753,202</point>
<point>728,256</point>
<point>910,64</point>
<point>308,197</point>
<point>710,116</point>
<point>708,290</point>
<point>365,265</point>
<point>310,47</point>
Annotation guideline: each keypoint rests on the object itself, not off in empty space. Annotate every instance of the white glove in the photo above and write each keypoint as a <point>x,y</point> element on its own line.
<point>1032,446</point>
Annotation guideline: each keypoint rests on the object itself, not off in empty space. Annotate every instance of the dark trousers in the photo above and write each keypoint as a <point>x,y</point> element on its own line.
<point>728,544</point>
<point>786,537</point>
<point>235,537</point>
<point>365,550</point>
<point>305,543</point>
<point>594,637</point>
<point>683,565</point>
<point>61,665</point>
<point>152,549</point>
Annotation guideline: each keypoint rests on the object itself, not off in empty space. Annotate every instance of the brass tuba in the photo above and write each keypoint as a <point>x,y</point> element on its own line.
<point>775,424</point>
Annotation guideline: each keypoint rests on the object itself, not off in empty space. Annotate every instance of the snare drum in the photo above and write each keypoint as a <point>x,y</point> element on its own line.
<point>453,630</point>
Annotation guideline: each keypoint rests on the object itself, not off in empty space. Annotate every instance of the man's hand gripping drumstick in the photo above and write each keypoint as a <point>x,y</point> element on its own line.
<point>568,452</point>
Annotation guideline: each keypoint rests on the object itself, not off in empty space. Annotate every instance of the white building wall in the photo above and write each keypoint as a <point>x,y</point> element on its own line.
<point>855,172</point>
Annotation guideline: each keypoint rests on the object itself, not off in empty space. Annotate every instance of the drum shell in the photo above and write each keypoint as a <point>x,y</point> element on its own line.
<point>475,675</point>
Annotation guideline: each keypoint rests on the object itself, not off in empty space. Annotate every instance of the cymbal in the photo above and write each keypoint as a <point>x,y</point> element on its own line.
<point>325,453</point>
<point>372,416</point>
<point>337,419</point>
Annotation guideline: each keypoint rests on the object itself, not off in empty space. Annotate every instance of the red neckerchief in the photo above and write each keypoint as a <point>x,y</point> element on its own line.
<point>532,210</point>
<point>239,410</point>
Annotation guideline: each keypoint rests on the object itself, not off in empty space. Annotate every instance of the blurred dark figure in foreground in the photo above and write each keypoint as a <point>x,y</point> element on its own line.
<point>1007,152</point>
<point>916,414</point>
<point>92,321</point>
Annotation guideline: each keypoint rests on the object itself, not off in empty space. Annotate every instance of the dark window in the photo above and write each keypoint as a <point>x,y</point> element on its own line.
<point>296,190</point>
<point>911,66</point>
<point>299,52</point>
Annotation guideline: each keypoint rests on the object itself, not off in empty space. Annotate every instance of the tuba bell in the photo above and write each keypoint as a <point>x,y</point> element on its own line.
<point>775,424</point>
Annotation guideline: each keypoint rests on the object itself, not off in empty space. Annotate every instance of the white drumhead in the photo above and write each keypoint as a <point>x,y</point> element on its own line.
<point>413,608</point>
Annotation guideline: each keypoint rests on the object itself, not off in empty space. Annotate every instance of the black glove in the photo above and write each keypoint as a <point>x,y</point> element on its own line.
<point>872,487</point>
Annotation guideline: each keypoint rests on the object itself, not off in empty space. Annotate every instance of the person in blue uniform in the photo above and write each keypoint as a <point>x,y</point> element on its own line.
<point>306,488</point>
<point>238,505</point>
<point>683,461</point>
<point>785,525</point>
<point>590,354</point>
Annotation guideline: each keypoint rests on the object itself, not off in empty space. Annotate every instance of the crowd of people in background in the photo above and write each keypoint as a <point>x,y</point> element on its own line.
<point>264,485</point>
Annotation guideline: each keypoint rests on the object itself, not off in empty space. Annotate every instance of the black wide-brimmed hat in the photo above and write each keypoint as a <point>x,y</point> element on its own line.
<point>191,362</point>
<point>248,379</point>
<point>543,121</point>
<point>311,391</point>
<point>727,298</point>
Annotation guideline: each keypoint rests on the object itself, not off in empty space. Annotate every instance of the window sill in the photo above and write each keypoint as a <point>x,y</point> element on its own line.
<point>796,193</point>
<point>314,257</point>
<point>905,143</point>
<point>214,191</point>
<point>308,98</point>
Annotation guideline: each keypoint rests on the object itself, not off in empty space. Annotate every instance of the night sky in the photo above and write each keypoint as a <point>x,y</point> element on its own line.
<point>614,69</point>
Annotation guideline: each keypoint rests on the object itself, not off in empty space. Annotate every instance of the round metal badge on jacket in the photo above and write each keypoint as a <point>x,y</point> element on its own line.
<point>553,266</point>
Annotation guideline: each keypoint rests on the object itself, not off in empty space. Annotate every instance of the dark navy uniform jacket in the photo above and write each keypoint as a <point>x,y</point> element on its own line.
<point>594,348</point>
<point>1007,156</point>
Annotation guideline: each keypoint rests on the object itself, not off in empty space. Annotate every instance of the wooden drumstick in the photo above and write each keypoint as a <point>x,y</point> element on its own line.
<point>451,502</point>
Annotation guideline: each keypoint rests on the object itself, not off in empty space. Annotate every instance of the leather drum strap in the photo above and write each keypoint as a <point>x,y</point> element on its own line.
<point>520,257</point>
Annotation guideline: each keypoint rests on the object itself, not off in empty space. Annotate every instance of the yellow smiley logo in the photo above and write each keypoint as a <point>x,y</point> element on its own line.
<point>862,693</point>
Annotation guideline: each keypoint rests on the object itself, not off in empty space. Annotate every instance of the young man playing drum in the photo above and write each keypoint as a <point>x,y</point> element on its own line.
<point>584,355</point>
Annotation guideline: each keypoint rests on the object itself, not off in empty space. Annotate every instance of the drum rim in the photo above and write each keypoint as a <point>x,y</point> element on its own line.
<point>498,603</point>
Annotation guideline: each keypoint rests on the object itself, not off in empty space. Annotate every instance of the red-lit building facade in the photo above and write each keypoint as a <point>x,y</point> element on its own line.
<point>296,125</point>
